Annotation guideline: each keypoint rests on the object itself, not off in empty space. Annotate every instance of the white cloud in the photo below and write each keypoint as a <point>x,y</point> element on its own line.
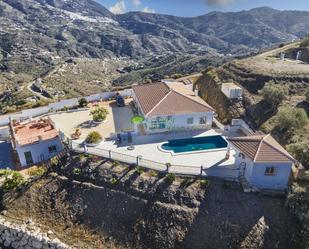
<point>118,8</point>
<point>136,3</point>
<point>219,2</point>
<point>148,10</point>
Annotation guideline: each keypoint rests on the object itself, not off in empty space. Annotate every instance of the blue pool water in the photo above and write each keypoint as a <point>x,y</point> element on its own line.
<point>194,144</point>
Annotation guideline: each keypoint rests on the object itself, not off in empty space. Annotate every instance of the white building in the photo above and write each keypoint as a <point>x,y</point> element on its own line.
<point>35,141</point>
<point>232,91</point>
<point>171,107</point>
<point>263,162</point>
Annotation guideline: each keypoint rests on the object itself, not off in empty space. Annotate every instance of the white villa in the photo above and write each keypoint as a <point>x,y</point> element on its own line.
<point>174,127</point>
<point>171,107</point>
<point>263,162</point>
<point>35,141</point>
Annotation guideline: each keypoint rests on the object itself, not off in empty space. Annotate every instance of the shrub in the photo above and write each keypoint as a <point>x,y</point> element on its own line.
<point>81,157</point>
<point>204,183</point>
<point>115,163</point>
<point>300,151</point>
<point>12,180</point>
<point>139,170</point>
<point>113,180</point>
<point>77,171</point>
<point>8,109</point>
<point>82,102</point>
<point>153,173</point>
<point>99,114</point>
<point>273,93</point>
<point>170,178</point>
<point>187,181</point>
<point>305,43</point>
<point>5,172</point>
<point>54,161</point>
<point>37,171</point>
<point>291,118</point>
<point>93,137</point>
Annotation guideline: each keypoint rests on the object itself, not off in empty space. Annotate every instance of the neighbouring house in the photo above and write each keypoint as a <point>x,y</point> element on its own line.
<point>35,141</point>
<point>263,162</point>
<point>232,91</point>
<point>171,107</point>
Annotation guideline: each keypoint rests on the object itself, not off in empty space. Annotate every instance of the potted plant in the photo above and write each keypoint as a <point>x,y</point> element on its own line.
<point>94,138</point>
<point>99,114</point>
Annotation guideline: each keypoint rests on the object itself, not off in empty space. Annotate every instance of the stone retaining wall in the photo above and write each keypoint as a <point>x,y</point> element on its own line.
<point>27,235</point>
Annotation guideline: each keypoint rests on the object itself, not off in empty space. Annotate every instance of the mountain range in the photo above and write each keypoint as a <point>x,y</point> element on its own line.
<point>34,33</point>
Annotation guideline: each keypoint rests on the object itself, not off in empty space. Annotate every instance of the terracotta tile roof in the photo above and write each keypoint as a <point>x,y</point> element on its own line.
<point>33,131</point>
<point>175,98</point>
<point>261,148</point>
<point>150,95</point>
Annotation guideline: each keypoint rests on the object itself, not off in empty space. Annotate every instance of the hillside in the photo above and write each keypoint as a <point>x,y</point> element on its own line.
<point>39,36</point>
<point>253,73</point>
<point>144,211</point>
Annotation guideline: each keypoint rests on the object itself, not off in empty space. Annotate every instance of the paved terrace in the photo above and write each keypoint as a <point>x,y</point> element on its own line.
<point>147,148</point>
<point>118,120</point>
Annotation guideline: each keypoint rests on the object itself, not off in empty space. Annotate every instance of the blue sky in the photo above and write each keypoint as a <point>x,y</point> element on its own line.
<point>199,7</point>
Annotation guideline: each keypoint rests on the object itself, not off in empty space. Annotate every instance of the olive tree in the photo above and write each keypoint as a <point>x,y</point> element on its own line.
<point>291,118</point>
<point>274,93</point>
<point>300,151</point>
<point>305,43</point>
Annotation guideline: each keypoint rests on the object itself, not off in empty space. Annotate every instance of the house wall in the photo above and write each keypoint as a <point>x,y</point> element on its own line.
<point>255,173</point>
<point>39,149</point>
<point>179,122</point>
<point>278,181</point>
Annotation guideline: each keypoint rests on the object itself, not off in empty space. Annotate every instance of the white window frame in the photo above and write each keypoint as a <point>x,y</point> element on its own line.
<point>52,149</point>
<point>270,171</point>
<point>203,120</point>
<point>190,120</point>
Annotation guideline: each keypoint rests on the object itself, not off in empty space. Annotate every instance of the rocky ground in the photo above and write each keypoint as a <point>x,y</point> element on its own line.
<point>109,205</point>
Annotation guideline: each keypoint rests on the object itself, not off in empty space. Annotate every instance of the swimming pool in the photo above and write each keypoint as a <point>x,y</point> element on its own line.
<point>195,144</point>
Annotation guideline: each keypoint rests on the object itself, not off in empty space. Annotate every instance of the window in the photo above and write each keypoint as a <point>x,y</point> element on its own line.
<point>28,157</point>
<point>157,124</point>
<point>190,120</point>
<point>203,120</point>
<point>270,171</point>
<point>52,149</point>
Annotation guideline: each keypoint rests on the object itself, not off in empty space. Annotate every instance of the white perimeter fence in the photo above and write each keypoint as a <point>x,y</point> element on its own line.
<point>66,103</point>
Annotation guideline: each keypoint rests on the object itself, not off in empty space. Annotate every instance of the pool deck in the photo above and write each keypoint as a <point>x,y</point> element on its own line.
<point>148,147</point>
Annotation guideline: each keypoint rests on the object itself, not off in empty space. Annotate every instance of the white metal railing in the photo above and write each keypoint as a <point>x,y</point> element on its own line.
<point>158,166</point>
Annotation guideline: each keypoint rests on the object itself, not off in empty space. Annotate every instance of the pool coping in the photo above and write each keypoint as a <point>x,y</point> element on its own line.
<point>190,152</point>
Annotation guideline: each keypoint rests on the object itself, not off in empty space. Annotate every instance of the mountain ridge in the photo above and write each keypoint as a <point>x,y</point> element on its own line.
<point>36,34</point>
